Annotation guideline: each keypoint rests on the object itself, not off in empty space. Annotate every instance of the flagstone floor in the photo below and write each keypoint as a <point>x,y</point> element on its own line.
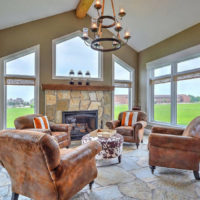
<point>130,180</point>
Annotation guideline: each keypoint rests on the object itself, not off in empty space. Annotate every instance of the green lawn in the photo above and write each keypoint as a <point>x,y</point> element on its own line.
<point>13,113</point>
<point>185,112</point>
<point>120,108</point>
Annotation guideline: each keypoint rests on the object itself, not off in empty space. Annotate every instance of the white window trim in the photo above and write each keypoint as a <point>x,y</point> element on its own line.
<point>3,91</point>
<point>172,60</point>
<point>132,81</point>
<point>68,37</point>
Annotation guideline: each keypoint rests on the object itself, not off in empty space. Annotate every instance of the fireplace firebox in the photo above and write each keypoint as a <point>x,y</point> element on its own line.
<point>82,122</point>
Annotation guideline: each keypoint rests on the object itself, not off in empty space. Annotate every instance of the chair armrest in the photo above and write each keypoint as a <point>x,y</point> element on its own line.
<point>183,143</point>
<point>142,124</point>
<point>113,124</point>
<point>168,130</point>
<point>59,127</point>
<point>77,156</point>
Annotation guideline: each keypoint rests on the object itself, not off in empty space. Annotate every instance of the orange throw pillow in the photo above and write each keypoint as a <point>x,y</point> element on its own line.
<point>129,118</point>
<point>41,122</point>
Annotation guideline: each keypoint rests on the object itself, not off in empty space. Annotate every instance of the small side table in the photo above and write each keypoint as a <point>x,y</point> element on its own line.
<point>112,147</point>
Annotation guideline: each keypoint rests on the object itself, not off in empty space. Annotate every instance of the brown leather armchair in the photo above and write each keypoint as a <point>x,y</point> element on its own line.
<point>40,170</point>
<point>61,132</point>
<point>176,148</point>
<point>133,133</point>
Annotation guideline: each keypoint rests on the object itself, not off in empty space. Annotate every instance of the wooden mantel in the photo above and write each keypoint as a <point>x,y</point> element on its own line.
<point>76,87</point>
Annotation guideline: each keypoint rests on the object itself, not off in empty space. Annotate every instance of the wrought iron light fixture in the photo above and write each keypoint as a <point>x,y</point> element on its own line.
<point>97,26</point>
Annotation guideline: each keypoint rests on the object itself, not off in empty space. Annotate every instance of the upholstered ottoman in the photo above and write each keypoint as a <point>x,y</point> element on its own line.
<point>112,147</point>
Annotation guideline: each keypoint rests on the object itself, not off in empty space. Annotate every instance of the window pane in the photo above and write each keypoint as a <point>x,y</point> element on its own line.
<point>74,55</point>
<point>121,101</point>
<point>20,101</point>
<point>24,65</point>
<point>188,100</point>
<point>162,71</point>
<point>189,64</point>
<point>121,73</point>
<point>162,102</point>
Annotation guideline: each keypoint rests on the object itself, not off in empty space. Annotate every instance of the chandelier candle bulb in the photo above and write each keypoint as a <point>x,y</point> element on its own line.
<point>94,27</point>
<point>97,4</point>
<point>122,12</point>
<point>118,27</point>
<point>127,35</point>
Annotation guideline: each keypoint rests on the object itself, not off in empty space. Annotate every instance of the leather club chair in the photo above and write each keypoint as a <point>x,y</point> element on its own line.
<point>133,134</point>
<point>61,132</point>
<point>176,148</point>
<point>40,170</point>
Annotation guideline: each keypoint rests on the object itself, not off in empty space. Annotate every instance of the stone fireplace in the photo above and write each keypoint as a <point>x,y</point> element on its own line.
<point>59,101</point>
<point>82,122</point>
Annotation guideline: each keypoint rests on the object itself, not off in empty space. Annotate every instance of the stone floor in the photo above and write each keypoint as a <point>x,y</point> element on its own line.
<point>130,180</point>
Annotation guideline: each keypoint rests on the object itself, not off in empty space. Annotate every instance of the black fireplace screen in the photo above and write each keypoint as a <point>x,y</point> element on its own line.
<point>82,122</point>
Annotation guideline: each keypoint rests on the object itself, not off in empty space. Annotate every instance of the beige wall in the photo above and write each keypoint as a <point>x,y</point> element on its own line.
<point>43,31</point>
<point>178,42</point>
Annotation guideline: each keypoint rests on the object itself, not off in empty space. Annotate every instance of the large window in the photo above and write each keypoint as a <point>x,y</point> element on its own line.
<point>20,91</point>
<point>174,94</point>
<point>72,53</point>
<point>123,83</point>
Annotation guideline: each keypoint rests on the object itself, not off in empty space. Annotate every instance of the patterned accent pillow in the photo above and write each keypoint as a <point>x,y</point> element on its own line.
<point>41,122</point>
<point>129,118</point>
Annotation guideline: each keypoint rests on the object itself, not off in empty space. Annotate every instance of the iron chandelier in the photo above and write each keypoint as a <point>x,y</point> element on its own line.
<point>97,26</point>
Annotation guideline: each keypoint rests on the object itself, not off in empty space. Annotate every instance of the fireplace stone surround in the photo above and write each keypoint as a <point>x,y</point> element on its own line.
<point>57,101</point>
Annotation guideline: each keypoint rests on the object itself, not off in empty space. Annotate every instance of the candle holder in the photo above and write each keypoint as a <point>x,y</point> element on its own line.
<point>87,74</point>
<point>80,75</point>
<point>97,4</point>
<point>94,26</point>
<point>122,12</point>
<point>118,27</point>
<point>127,35</point>
<point>71,74</point>
<point>85,34</point>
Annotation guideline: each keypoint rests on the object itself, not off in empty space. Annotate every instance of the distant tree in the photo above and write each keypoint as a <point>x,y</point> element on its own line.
<point>194,98</point>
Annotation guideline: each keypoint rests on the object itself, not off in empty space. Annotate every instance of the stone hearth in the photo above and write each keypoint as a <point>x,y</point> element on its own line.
<point>57,101</point>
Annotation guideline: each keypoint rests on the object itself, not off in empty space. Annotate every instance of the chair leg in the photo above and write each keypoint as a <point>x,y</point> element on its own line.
<point>196,175</point>
<point>120,158</point>
<point>152,169</point>
<point>90,185</point>
<point>137,145</point>
<point>142,141</point>
<point>14,196</point>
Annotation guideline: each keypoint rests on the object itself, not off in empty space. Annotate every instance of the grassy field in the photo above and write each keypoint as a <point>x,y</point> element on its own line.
<point>185,112</point>
<point>13,113</point>
<point>120,108</point>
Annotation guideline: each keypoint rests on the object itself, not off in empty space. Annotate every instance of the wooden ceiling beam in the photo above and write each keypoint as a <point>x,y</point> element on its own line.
<point>83,7</point>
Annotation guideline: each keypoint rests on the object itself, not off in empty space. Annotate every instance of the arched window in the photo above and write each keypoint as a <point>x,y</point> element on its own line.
<point>72,53</point>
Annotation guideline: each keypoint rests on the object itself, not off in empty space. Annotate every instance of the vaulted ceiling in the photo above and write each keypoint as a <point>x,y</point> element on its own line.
<point>149,21</point>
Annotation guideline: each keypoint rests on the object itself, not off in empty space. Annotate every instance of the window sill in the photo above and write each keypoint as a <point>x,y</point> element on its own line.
<point>76,78</point>
<point>154,123</point>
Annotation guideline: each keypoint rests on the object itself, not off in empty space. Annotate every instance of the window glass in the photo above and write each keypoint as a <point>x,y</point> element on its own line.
<point>162,102</point>
<point>20,101</point>
<point>121,100</point>
<point>162,71</point>
<point>24,65</point>
<point>121,73</point>
<point>74,54</point>
<point>188,100</point>
<point>189,64</point>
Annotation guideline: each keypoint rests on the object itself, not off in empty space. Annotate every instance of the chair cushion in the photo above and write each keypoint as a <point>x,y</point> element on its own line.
<point>41,122</point>
<point>60,136</point>
<point>125,130</point>
<point>129,118</point>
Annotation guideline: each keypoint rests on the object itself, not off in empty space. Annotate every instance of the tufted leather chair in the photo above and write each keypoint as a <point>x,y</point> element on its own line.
<point>176,148</point>
<point>133,133</point>
<point>61,132</point>
<point>40,170</point>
